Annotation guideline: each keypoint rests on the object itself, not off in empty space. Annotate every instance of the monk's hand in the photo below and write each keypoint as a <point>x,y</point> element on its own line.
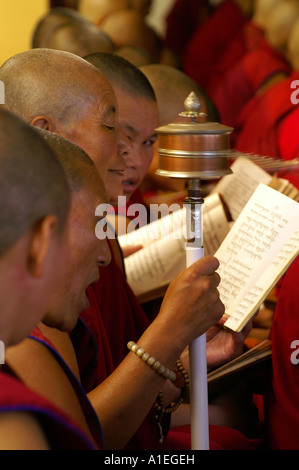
<point>130,250</point>
<point>192,304</point>
<point>224,345</point>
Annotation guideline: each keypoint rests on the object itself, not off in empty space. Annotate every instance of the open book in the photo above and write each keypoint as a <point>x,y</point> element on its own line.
<point>246,366</point>
<point>150,270</point>
<point>163,254</point>
<point>237,187</point>
<point>260,246</point>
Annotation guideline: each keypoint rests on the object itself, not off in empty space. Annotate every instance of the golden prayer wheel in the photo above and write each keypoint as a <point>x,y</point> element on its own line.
<point>194,149</point>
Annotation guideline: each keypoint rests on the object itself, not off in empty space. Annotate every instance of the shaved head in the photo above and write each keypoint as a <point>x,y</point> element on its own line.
<point>128,28</point>
<point>122,74</point>
<point>280,22</point>
<point>293,46</point>
<point>262,9</point>
<point>97,10</point>
<point>50,21</point>
<point>32,182</point>
<point>80,39</point>
<point>64,94</point>
<point>35,84</point>
<point>67,30</point>
<point>171,87</point>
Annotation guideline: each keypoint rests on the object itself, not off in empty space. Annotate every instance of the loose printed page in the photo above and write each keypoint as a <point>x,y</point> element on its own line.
<point>165,226</point>
<point>238,187</point>
<point>262,243</point>
<point>160,261</point>
<point>156,265</point>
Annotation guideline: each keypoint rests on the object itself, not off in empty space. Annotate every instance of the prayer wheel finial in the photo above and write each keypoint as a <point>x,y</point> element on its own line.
<point>192,107</point>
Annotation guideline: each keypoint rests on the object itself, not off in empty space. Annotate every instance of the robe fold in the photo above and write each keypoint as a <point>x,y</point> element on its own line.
<point>182,20</point>
<point>242,81</point>
<point>88,410</point>
<point>259,124</point>
<point>208,45</point>
<point>282,391</point>
<point>60,431</point>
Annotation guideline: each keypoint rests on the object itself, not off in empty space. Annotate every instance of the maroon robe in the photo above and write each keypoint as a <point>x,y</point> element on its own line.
<point>241,82</point>
<point>183,19</point>
<point>113,318</point>
<point>260,122</point>
<point>210,41</point>
<point>88,410</point>
<point>60,431</point>
<point>249,38</point>
<point>288,139</point>
<point>282,392</point>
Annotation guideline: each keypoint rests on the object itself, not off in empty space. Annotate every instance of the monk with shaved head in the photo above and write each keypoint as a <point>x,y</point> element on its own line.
<point>67,30</point>
<point>86,106</point>
<point>38,91</point>
<point>28,214</point>
<point>128,28</point>
<point>34,209</point>
<point>81,269</point>
<point>97,10</point>
<point>54,18</point>
<point>80,39</point>
<point>37,360</point>
<point>171,87</point>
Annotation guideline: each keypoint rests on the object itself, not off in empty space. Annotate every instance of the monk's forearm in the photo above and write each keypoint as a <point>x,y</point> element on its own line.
<point>124,399</point>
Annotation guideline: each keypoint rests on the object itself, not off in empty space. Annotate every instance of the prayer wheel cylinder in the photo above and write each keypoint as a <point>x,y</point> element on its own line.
<point>194,149</point>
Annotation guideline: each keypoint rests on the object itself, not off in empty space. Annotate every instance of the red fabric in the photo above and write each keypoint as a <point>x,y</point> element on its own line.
<point>282,396</point>
<point>288,143</point>
<point>288,140</point>
<point>60,431</point>
<point>221,438</point>
<point>248,39</point>
<point>240,83</point>
<point>208,44</point>
<point>262,62</point>
<point>259,124</point>
<point>183,19</point>
<point>120,312</point>
<point>89,413</point>
<point>92,347</point>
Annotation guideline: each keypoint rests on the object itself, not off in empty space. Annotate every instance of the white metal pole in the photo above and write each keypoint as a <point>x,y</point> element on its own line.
<point>198,379</point>
<point>197,349</point>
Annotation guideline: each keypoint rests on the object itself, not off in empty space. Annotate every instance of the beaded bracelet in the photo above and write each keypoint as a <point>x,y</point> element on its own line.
<point>184,389</point>
<point>181,381</point>
<point>151,361</point>
<point>182,376</point>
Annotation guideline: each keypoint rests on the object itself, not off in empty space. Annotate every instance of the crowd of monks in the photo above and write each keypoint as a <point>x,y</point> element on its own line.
<point>78,129</point>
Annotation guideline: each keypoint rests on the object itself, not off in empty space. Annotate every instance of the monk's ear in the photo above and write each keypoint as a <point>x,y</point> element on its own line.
<point>42,237</point>
<point>44,122</point>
